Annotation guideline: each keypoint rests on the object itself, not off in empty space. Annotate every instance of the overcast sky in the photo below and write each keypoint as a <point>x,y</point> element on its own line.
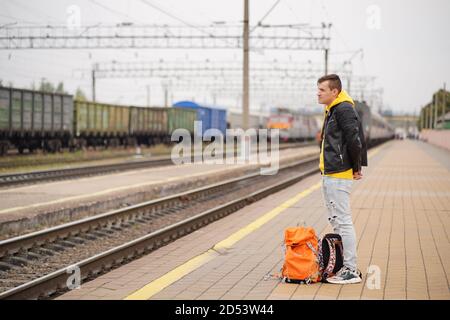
<point>405,45</point>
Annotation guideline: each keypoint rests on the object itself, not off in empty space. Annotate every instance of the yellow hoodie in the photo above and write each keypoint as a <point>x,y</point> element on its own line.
<point>343,96</point>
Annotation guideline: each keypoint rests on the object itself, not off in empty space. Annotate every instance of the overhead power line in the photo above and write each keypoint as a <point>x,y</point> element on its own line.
<point>163,37</point>
<point>265,15</point>
<point>119,13</point>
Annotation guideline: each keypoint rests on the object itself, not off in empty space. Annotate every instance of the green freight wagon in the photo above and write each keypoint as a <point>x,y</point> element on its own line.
<point>183,118</point>
<point>148,125</point>
<point>33,119</point>
<point>100,124</point>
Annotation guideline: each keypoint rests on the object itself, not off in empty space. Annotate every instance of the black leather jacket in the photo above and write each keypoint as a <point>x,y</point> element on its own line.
<point>345,145</point>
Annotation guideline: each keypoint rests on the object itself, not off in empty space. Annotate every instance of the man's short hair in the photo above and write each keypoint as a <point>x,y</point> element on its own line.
<point>334,82</point>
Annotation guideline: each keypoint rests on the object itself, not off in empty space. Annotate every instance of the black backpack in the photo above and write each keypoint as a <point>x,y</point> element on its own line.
<point>331,255</point>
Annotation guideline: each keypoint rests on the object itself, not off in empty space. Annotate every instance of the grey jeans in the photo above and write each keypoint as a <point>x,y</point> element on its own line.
<point>336,194</point>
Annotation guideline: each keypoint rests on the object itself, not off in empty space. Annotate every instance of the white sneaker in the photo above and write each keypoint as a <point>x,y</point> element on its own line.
<point>345,276</point>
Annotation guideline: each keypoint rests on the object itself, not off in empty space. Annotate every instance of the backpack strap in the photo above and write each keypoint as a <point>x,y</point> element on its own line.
<point>332,261</point>
<point>312,248</point>
<point>274,276</point>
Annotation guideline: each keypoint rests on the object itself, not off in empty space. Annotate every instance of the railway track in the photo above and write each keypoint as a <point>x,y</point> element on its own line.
<point>36,265</point>
<point>8,180</point>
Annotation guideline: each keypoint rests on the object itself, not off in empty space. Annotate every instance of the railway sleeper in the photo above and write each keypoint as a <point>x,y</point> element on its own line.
<point>87,236</point>
<point>54,247</point>
<point>102,232</point>
<point>161,213</point>
<point>5,266</point>
<point>126,225</point>
<point>17,261</point>
<point>29,255</point>
<point>77,240</point>
<point>43,251</point>
<point>67,243</point>
<point>97,234</point>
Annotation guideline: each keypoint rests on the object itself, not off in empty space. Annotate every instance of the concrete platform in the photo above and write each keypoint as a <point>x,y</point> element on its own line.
<point>401,211</point>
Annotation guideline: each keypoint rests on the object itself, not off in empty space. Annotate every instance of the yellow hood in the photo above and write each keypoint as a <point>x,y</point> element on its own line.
<point>342,97</point>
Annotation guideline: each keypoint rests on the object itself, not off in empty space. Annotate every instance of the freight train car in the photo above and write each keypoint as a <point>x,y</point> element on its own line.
<point>148,125</point>
<point>100,124</point>
<point>234,121</point>
<point>181,118</point>
<point>210,117</point>
<point>33,120</point>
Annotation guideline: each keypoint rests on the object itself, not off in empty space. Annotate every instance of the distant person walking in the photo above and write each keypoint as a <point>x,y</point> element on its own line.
<point>343,151</point>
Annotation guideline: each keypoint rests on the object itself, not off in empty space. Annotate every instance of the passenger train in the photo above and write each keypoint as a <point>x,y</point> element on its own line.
<point>293,125</point>
<point>297,126</point>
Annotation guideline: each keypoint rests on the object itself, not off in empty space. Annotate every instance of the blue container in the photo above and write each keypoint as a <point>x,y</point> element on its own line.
<point>211,117</point>
<point>219,120</point>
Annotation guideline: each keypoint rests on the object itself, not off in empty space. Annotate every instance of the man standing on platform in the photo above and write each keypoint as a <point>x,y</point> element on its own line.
<point>343,151</point>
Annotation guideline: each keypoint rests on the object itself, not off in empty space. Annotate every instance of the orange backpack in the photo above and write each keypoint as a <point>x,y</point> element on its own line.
<point>301,263</point>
